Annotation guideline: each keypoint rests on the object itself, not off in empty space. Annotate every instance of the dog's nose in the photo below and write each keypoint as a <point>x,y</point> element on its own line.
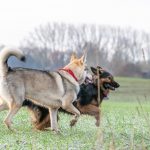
<point>117,85</point>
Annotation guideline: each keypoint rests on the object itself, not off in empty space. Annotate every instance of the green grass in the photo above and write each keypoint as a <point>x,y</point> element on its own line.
<point>125,125</point>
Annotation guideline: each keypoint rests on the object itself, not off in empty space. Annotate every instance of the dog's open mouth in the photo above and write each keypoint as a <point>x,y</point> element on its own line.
<point>109,86</point>
<point>106,89</point>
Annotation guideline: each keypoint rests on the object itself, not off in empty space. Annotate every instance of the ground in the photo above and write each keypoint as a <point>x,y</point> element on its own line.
<point>125,125</point>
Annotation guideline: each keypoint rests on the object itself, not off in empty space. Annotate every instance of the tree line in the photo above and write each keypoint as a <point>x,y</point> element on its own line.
<point>121,50</point>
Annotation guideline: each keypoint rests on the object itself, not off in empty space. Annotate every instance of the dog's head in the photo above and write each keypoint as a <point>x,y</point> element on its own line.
<point>78,66</point>
<point>106,79</point>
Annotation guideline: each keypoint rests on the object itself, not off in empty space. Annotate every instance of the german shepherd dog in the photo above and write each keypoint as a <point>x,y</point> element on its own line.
<point>87,99</point>
<point>49,89</point>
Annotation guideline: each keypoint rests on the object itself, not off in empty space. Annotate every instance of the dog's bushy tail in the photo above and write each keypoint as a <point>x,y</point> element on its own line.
<point>5,53</point>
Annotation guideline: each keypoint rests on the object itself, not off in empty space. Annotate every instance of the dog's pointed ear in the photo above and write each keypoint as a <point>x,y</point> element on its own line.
<point>73,57</point>
<point>94,70</point>
<point>83,58</point>
<point>101,70</point>
<point>99,67</point>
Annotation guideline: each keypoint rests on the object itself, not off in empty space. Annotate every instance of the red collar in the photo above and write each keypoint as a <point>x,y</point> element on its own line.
<point>71,73</point>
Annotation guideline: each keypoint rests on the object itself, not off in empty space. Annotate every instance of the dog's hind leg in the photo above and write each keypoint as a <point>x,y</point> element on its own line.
<point>14,104</point>
<point>12,111</point>
<point>3,107</point>
<point>53,119</point>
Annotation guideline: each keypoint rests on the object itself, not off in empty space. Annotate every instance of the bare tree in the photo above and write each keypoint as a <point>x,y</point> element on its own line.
<point>110,47</point>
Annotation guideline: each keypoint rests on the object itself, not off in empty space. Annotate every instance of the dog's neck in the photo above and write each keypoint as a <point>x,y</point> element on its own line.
<point>70,72</point>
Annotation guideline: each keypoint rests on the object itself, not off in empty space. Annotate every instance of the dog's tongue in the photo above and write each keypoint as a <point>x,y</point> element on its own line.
<point>106,93</point>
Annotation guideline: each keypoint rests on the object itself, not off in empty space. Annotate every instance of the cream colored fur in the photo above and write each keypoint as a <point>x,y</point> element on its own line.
<point>52,90</point>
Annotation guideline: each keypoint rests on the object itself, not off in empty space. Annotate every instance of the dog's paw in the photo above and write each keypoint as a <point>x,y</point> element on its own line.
<point>97,123</point>
<point>56,131</point>
<point>73,122</point>
<point>8,124</point>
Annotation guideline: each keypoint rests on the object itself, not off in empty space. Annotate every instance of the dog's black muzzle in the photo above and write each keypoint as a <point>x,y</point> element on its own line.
<point>111,85</point>
<point>115,84</point>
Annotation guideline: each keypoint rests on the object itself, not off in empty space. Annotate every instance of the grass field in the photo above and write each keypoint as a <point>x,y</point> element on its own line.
<point>125,125</point>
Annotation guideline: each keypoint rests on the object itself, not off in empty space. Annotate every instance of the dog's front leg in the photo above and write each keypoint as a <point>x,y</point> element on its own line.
<point>68,106</point>
<point>53,119</point>
<point>74,120</point>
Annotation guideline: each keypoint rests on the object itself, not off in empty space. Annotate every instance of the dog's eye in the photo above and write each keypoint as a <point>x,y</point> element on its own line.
<point>110,78</point>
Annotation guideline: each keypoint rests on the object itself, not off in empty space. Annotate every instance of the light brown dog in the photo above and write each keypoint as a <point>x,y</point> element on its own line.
<point>49,89</point>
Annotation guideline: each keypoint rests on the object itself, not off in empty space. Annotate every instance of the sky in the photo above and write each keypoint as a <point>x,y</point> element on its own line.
<point>19,17</point>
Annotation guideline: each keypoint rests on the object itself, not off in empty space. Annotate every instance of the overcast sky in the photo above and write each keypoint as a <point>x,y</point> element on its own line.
<point>18,17</point>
